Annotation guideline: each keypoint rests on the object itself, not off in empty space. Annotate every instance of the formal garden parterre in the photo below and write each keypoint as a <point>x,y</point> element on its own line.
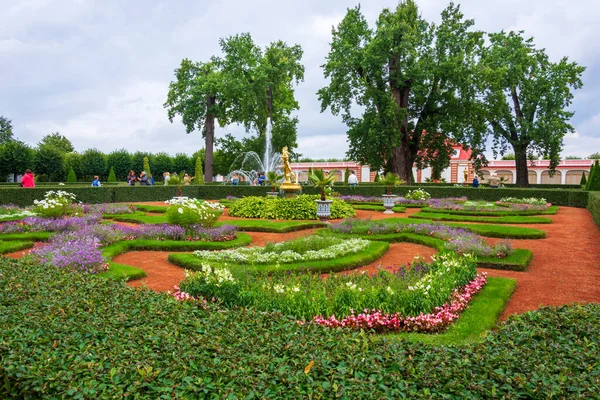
<point>279,285</point>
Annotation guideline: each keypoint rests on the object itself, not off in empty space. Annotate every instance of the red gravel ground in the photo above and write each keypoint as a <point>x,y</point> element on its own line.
<point>565,267</point>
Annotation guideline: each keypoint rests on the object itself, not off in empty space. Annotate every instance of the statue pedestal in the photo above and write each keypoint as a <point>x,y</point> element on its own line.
<point>290,189</point>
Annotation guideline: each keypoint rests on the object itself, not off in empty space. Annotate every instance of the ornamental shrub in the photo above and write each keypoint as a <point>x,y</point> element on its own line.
<point>55,204</point>
<point>417,194</point>
<point>583,179</point>
<point>71,177</point>
<point>186,212</point>
<point>593,183</point>
<point>300,207</point>
<point>112,177</point>
<point>346,175</point>
<point>199,178</point>
<point>147,167</point>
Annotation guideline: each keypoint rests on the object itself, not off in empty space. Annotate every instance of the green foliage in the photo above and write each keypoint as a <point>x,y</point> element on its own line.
<point>112,177</point>
<point>272,226</point>
<point>494,220</point>
<point>57,141</point>
<point>121,161</point>
<point>302,207</point>
<point>410,76</point>
<point>583,179</point>
<point>147,167</point>
<point>192,212</point>
<point>549,352</point>
<point>137,160</point>
<point>377,207</point>
<point>594,156</point>
<point>162,163</point>
<point>346,175</point>
<point>594,207</point>
<point>14,245</point>
<point>273,179</point>
<point>6,133</point>
<point>15,158</point>
<point>199,176</point>
<point>49,161</point>
<point>322,181</point>
<point>509,156</point>
<point>73,160</point>
<point>525,99</point>
<point>182,164</point>
<point>391,180</point>
<point>93,162</point>
<point>494,211</point>
<point>593,183</point>
<point>71,177</point>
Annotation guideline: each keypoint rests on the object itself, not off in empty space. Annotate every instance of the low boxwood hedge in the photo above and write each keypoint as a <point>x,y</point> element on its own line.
<point>106,194</point>
<point>68,335</point>
<point>594,206</point>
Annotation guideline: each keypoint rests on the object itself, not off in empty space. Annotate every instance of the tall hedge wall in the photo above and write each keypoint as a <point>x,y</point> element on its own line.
<point>106,194</point>
<point>594,206</point>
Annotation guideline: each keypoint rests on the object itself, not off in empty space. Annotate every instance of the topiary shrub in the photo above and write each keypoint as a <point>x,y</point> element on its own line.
<point>147,167</point>
<point>593,183</point>
<point>112,177</point>
<point>71,177</point>
<point>346,175</point>
<point>583,179</point>
<point>199,178</point>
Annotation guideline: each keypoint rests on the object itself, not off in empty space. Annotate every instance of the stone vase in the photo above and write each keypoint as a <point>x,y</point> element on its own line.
<point>389,200</point>
<point>323,209</point>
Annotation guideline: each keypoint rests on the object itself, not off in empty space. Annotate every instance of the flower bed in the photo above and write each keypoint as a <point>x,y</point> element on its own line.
<point>412,291</point>
<point>301,207</point>
<point>486,207</point>
<point>459,240</point>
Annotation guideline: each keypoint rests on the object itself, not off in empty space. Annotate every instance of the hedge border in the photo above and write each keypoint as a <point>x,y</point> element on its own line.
<point>594,206</point>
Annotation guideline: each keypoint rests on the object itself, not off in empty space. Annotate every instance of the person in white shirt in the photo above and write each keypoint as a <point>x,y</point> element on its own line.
<point>352,179</point>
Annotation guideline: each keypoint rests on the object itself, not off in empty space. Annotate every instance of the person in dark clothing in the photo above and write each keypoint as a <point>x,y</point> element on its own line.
<point>475,182</point>
<point>144,180</point>
<point>131,178</point>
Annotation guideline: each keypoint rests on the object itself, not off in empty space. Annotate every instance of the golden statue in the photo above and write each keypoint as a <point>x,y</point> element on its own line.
<point>287,185</point>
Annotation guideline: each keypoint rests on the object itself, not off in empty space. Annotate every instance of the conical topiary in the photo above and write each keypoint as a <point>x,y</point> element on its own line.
<point>346,175</point>
<point>377,177</point>
<point>199,172</point>
<point>310,171</point>
<point>589,178</point>
<point>112,177</point>
<point>583,180</point>
<point>594,179</point>
<point>147,167</point>
<point>71,177</point>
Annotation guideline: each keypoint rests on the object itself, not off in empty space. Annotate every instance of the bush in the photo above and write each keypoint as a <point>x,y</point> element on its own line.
<point>112,177</point>
<point>71,177</point>
<point>583,179</point>
<point>199,174</point>
<point>594,207</point>
<point>186,212</point>
<point>54,204</point>
<point>593,183</point>
<point>301,207</point>
<point>50,349</point>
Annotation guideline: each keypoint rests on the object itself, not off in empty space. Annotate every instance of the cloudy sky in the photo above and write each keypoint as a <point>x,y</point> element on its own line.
<point>98,71</point>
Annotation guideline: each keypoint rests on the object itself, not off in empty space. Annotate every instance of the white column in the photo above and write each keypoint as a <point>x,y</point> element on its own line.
<point>563,177</point>
<point>539,176</point>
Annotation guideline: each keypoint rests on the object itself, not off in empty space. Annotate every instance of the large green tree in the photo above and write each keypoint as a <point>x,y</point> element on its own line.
<point>49,161</point>
<point>161,163</point>
<point>58,141</point>
<point>15,158</point>
<point>406,76</point>
<point>93,162</point>
<point>121,161</point>
<point>525,99</point>
<point>244,86</point>
<point>137,160</point>
<point>183,163</point>
<point>73,160</point>
<point>6,133</point>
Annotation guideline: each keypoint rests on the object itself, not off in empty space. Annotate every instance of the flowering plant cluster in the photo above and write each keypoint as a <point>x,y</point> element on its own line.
<point>436,321</point>
<point>483,206</point>
<point>530,201</point>
<point>417,194</point>
<point>55,203</point>
<point>74,251</point>
<point>6,213</point>
<point>411,291</point>
<point>109,208</point>
<point>279,254</point>
<point>40,224</point>
<point>462,241</point>
<point>184,211</point>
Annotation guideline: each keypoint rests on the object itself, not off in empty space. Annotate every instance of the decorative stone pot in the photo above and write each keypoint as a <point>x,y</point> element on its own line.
<point>323,209</point>
<point>273,194</point>
<point>389,200</point>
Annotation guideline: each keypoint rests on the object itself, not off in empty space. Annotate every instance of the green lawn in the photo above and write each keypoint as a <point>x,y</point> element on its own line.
<point>377,207</point>
<point>14,245</point>
<point>550,211</point>
<point>494,220</point>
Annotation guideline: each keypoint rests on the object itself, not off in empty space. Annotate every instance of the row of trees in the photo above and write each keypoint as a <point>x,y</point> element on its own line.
<point>394,82</point>
<point>54,157</point>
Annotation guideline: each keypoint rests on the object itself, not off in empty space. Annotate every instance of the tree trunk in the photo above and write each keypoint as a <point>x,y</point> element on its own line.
<point>521,164</point>
<point>401,159</point>
<point>209,126</point>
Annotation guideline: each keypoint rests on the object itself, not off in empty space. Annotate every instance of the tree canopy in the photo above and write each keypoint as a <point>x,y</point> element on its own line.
<point>524,99</point>
<point>6,133</point>
<point>244,86</point>
<point>392,83</point>
<point>58,141</point>
<point>15,158</point>
<point>49,161</point>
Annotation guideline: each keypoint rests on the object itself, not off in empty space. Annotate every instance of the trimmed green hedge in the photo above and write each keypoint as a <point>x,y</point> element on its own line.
<point>114,194</point>
<point>594,206</point>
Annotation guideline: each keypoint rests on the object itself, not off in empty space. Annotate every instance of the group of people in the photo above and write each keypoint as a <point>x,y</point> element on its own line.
<point>167,177</point>
<point>494,181</point>
<point>258,181</point>
<point>143,179</point>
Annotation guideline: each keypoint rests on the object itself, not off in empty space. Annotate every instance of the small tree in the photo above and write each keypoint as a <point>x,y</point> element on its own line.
<point>346,175</point>
<point>320,180</point>
<point>273,180</point>
<point>199,173</point>
<point>71,177</point>
<point>112,177</point>
<point>147,167</point>
<point>377,177</point>
<point>391,180</point>
<point>583,180</point>
<point>593,183</point>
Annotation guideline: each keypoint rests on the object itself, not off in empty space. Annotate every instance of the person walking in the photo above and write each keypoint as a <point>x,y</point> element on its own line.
<point>352,179</point>
<point>28,180</point>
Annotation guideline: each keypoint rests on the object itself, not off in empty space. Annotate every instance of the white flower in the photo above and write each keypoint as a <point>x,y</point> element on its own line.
<point>390,291</point>
<point>180,210</point>
<point>279,288</point>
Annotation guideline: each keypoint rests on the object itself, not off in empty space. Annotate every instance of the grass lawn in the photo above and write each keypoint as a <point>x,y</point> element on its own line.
<point>550,211</point>
<point>490,219</point>
<point>377,207</point>
<point>28,236</point>
<point>374,251</point>
<point>254,225</point>
<point>475,322</point>
<point>14,245</point>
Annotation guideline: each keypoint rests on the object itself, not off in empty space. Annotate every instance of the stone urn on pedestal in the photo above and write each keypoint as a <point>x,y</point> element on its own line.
<point>320,180</point>
<point>389,199</point>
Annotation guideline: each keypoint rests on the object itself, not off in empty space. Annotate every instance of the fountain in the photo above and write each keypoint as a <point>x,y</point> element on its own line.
<point>249,164</point>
